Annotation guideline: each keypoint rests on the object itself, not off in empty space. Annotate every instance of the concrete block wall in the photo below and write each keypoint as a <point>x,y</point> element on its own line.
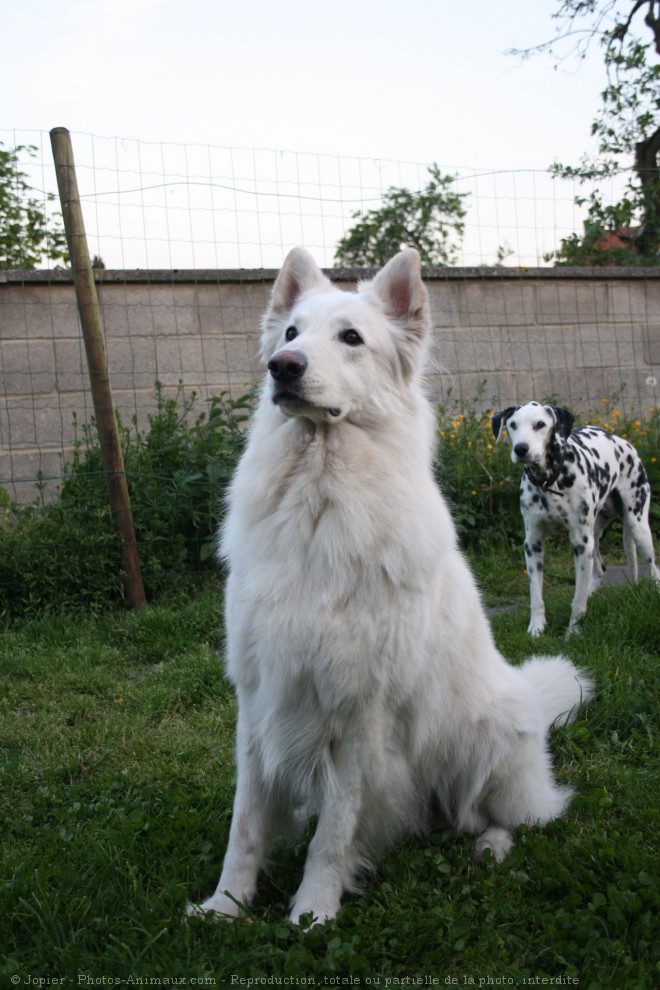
<point>574,335</point>
<point>506,335</point>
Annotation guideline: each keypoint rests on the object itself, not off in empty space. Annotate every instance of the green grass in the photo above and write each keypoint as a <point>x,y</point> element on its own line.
<point>117,783</point>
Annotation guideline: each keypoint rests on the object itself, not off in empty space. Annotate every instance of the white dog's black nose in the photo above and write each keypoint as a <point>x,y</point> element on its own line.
<point>286,366</point>
<point>521,450</point>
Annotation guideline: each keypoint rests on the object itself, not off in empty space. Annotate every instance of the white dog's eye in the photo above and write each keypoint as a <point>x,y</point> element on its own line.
<point>351,337</point>
<point>291,333</point>
<point>540,425</point>
<point>512,425</point>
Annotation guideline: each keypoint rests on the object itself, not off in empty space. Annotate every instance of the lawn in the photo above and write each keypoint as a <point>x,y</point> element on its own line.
<point>117,780</point>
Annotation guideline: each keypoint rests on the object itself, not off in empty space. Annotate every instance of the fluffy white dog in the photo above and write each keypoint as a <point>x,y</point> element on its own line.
<point>370,692</point>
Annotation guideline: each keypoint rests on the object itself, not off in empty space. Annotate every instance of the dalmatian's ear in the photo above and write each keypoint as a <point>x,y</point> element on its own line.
<point>563,421</point>
<point>498,420</point>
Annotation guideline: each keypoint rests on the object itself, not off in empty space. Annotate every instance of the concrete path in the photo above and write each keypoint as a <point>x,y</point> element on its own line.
<point>615,574</point>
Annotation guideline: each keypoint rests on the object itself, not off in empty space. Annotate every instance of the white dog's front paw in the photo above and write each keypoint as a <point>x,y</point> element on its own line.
<point>496,840</point>
<point>309,919</point>
<point>318,915</point>
<point>218,908</point>
<point>574,629</point>
<point>323,907</point>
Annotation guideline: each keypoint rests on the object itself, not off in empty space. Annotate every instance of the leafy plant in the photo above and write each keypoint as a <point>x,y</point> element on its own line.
<point>67,551</point>
<point>476,474</point>
<point>28,233</point>
<point>627,127</point>
<point>426,220</point>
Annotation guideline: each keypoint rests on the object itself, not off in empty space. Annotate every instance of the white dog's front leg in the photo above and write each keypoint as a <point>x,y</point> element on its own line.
<point>248,837</point>
<point>331,858</point>
<point>584,567</point>
<point>534,558</point>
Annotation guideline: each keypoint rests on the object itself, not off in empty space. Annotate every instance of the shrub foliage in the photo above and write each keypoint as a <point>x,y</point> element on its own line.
<point>65,552</point>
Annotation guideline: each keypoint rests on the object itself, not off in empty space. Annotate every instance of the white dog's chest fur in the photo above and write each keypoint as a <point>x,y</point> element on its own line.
<point>319,559</point>
<point>313,541</point>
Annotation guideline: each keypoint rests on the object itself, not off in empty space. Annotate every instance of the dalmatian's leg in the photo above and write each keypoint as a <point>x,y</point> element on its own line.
<point>636,500</point>
<point>630,548</point>
<point>641,538</point>
<point>583,543</point>
<point>599,567</point>
<point>534,558</point>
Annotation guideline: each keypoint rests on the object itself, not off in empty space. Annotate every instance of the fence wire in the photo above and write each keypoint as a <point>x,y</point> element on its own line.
<point>167,205</point>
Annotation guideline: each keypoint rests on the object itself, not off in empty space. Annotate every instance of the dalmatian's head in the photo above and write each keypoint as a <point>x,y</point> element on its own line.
<point>534,430</point>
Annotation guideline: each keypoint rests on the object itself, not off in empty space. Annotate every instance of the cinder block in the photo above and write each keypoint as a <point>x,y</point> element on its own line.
<point>27,367</point>
<point>497,304</point>
<point>180,359</point>
<point>469,349</point>
<point>13,317</point>
<point>222,310</point>
<point>468,388</point>
<point>651,342</point>
<point>63,320</point>
<point>536,348</point>
<point>605,345</point>
<point>444,302</point>
<point>44,421</point>
<point>20,470</point>
<point>114,311</point>
<point>572,301</point>
<point>634,300</point>
<point>132,362</point>
<point>635,390</point>
<point>237,354</point>
<point>37,310</point>
<point>70,364</point>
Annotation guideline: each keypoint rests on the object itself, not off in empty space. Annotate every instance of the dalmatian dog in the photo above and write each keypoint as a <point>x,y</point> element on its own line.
<point>580,479</point>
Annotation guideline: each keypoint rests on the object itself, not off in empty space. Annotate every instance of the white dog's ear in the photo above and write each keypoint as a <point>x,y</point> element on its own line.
<point>400,291</point>
<point>400,288</point>
<point>498,420</point>
<point>298,274</point>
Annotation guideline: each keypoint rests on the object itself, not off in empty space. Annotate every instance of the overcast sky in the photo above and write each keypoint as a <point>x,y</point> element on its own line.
<point>377,81</point>
<point>420,80</point>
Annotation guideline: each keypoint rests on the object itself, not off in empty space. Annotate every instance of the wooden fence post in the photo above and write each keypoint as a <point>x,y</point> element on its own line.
<point>92,328</point>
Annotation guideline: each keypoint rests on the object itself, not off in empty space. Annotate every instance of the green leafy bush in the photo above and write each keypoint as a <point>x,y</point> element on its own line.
<point>67,552</point>
<point>476,474</point>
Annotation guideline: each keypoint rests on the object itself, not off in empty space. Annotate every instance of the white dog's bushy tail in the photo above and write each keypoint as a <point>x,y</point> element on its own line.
<point>561,687</point>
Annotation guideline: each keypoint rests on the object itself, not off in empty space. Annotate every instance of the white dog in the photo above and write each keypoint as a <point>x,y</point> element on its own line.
<point>370,692</point>
<point>581,480</point>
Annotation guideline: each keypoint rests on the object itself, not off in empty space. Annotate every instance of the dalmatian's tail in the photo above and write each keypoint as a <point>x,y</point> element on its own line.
<point>560,685</point>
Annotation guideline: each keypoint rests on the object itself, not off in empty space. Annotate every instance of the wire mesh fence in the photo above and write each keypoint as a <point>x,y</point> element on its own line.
<point>168,205</point>
<point>187,239</point>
